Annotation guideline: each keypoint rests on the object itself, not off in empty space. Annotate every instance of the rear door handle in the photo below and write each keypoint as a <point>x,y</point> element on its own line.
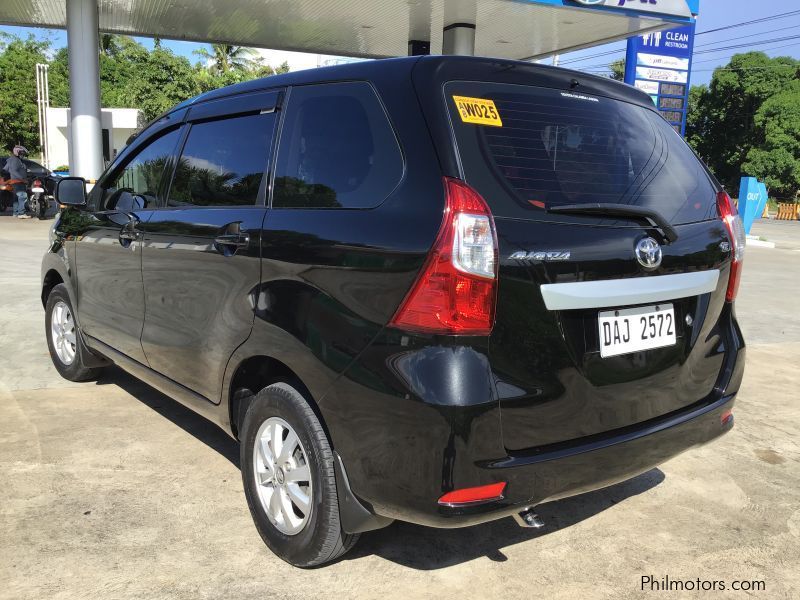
<point>228,243</point>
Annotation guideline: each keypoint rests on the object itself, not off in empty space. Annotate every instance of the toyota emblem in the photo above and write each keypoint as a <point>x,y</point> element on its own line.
<point>648,253</point>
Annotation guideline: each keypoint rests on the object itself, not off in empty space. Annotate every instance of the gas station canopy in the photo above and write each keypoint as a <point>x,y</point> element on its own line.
<point>517,29</point>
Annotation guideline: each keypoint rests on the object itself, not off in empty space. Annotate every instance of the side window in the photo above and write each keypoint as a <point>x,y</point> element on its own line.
<point>137,185</point>
<point>337,149</point>
<point>223,162</point>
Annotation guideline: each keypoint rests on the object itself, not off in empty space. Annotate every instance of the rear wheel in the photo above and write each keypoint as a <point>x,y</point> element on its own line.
<point>289,480</point>
<point>63,338</point>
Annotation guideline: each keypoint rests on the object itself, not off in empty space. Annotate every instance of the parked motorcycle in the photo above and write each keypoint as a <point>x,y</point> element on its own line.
<point>37,200</point>
<point>7,197</point>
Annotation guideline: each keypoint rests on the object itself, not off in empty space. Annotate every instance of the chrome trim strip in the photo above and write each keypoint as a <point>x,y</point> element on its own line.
<point>624,292</point>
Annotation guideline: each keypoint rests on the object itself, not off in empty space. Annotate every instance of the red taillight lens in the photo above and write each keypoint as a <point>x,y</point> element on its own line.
<point>733,222</point>
<point>474,495</point>
<point>456,290</point>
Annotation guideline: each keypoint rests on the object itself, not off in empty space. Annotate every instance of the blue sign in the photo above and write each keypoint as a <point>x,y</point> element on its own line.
<point>752,200</point>
<point>659,64</point>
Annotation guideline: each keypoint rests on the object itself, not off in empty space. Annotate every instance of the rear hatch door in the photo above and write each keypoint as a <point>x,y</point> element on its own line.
<point>604,319</point>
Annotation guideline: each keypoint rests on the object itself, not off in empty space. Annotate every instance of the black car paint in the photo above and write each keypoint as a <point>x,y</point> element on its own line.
<point>414,416</point>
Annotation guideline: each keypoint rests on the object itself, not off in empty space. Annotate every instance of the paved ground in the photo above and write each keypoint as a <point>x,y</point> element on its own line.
<point>785,234</point>
<point>111,490</point>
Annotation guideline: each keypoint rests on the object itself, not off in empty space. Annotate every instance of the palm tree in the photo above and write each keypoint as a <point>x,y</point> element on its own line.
<point>224,58</point>
<point>109,44</point>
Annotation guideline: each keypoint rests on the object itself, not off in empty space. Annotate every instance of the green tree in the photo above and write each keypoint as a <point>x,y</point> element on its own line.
<point>721,125</point>
<point>130,77</point>
<point>224,58</point>
<point>776,157</point>
<point>58,77</point>
<point>162,80</point>
<point>19,123</point>
<point>110,44</point>
<point>617,69</point>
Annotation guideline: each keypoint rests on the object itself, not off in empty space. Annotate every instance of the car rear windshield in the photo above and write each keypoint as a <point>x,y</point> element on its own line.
<point>526,149</point>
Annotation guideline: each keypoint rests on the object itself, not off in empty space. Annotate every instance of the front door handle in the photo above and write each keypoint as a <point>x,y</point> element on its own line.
<point>228,243</point>
<point>129,234</point>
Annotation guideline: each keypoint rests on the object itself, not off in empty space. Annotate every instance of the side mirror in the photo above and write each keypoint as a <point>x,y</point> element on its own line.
<point>71,191</point>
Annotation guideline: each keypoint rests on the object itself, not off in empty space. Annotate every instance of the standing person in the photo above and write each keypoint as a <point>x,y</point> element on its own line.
<point>18,177</point>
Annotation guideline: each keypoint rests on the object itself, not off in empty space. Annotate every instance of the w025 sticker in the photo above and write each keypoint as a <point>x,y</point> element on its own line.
<point>478,111</point>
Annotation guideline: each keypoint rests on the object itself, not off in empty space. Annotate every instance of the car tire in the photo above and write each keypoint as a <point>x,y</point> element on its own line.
<point>63,338</point>
<point>276,416</point>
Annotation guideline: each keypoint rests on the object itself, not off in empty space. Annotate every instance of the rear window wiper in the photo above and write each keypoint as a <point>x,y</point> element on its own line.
<point>619,210</point>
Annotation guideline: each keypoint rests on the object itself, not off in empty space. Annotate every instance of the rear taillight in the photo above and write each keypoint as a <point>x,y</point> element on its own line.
<point>456,290</point>
<point>733,222</point>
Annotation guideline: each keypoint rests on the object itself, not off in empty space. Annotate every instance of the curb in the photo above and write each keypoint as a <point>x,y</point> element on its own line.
<point>758,243</point>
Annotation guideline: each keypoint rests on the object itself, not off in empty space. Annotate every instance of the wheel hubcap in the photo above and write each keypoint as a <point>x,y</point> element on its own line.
<point>283,476</point>
<point>62,332</point>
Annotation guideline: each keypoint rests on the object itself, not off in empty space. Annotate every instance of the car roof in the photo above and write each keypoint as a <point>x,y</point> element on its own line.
<point>435,70</point>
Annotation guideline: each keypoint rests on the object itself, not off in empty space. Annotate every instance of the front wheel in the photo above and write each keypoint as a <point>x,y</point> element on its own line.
<point>63,338</point>
<point>289,479</point>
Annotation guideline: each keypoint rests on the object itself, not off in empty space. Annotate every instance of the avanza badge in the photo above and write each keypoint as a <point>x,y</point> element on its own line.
<point>477,110</point>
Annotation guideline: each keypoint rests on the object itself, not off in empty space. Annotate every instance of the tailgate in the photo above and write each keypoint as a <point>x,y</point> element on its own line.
<point>576,289</point>
<point>553,383</point>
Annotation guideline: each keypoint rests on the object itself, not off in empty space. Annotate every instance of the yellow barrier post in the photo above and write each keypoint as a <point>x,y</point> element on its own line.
<point>788,211</point>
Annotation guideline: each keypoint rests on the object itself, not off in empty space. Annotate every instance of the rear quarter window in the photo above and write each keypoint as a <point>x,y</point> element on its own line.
<point>337,149</point>
<point>551,147</point>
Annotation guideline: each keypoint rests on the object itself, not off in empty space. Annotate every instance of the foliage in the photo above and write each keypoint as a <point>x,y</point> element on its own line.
<point>224,58</point>
<point>19,123</point>
<point>131,76</point>
<point>617,69</point>
<point>776,158</point>
<point>163,80</point>
<point>746,121</point>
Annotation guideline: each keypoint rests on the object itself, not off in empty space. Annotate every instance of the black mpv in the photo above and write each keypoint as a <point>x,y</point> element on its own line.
<point>436,289</point>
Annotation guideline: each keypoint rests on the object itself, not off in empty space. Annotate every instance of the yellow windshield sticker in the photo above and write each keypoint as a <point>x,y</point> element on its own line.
<point>477,110</point>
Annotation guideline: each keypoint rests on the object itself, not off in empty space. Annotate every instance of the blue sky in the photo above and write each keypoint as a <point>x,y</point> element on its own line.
<point>713,14</point>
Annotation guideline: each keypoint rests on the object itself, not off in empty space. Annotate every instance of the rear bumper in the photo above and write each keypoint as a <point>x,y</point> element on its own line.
<point>403,446</point>
<point>571,470</point>
<point>536,478</point>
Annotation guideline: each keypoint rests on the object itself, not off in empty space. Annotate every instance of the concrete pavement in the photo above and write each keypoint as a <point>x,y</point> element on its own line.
<point>112,490</point>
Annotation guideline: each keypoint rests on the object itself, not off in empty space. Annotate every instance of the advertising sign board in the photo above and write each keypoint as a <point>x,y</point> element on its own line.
<point>678,8</point>
<point>659,64</point>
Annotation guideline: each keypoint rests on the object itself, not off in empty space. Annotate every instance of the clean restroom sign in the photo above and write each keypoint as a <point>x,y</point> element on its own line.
<point>659,63</point>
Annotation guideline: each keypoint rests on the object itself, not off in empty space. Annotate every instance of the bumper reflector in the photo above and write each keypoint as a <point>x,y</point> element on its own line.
<point>474,495</point>
<point>726,417</point>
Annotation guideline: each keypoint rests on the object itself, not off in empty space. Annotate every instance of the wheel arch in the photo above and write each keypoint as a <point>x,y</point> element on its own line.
<point>253,374</point>
<point>50,280</point>
<point>257,372</point>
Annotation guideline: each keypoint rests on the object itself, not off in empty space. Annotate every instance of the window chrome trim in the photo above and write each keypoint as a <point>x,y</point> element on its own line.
<point>623,292</point>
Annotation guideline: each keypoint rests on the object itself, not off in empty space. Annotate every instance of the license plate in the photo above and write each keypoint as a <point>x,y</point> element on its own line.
<point>635,329</point>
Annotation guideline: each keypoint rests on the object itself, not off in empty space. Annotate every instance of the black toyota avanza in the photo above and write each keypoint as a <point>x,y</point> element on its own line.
<point>442,290</point>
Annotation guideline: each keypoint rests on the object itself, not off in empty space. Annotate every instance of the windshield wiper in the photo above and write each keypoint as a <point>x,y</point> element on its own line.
<point>620,210</point>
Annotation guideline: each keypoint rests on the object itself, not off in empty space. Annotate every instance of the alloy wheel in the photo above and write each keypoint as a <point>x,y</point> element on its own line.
<point>62,332</point>
<point>283,476</point>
